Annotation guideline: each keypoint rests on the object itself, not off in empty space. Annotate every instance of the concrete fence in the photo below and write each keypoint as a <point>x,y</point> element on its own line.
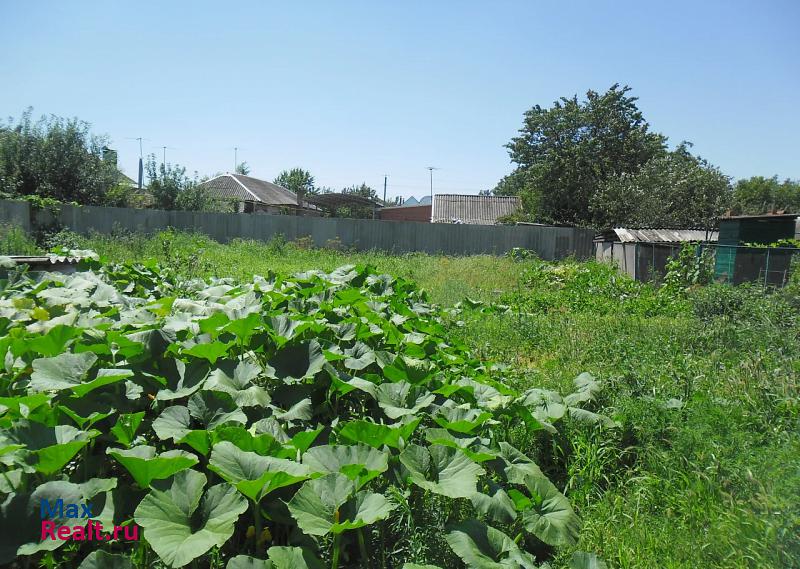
<point>362,234</point>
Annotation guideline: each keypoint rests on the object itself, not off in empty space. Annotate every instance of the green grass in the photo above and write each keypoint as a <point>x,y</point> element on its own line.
<point>447,279</point>
<point>713,481</point>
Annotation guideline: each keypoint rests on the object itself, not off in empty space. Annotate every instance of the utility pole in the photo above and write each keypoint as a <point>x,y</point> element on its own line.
<point>431,169</point>
<point>235,158</point>
<point>385,178</point>
<point>164,159</point>
<point>141,165</point>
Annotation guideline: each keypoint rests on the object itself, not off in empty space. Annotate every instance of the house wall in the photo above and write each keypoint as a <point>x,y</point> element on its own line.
<point>420,213</point>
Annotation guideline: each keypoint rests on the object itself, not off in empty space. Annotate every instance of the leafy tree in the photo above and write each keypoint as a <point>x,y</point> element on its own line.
<point>243,168</point>
<point>362,190</point>
<point>56,158</point>
<point>296,180</point>
<point>673,189</point>
<point>171,188</point>
<point>358,211</point>
<point>758,194</point>
<point>565,152</point>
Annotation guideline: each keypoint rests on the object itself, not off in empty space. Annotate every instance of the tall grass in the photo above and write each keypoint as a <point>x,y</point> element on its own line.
<point>14,241</point>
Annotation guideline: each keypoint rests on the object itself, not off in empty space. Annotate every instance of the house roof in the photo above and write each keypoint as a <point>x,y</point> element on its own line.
<point>411,201</point>
<point>473,210</point>
<point>662,235</point>
<point>335,199</point>
<point>763,216</point>
<point>247,188</point>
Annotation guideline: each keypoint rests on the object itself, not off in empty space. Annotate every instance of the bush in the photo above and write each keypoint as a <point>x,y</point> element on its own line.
<point>14,241</point>
<point>692,266</point>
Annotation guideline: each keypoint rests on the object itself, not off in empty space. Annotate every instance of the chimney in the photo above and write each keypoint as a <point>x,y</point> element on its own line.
<point>109,155</point>
<point>300,196</point>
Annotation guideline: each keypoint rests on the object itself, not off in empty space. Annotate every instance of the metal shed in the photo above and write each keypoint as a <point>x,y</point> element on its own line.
<point>643,253</point>
<point>736,262</point>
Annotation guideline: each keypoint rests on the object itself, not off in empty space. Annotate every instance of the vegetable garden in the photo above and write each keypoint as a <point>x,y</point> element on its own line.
<point>322,419</point>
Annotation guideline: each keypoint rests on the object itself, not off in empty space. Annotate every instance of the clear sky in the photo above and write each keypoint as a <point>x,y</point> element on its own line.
<point>356,90</point>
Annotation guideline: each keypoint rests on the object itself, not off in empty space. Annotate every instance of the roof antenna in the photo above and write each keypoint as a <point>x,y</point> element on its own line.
<point>431,169</point>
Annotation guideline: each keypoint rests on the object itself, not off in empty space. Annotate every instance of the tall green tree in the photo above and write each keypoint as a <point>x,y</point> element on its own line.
<point>358,211</point>
<point>673,189</point>
<point>362,190</point>
<point>296,180</point>
<point>56,158</point>
<point>172,189</point>
<point>758,194</point>
<point>243,168</point>
<point>565,152</point>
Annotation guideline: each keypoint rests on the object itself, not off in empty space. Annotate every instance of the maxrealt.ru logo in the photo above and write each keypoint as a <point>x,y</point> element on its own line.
<point>92,531</point>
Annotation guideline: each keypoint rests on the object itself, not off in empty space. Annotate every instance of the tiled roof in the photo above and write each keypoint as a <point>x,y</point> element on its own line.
<point>474,210</point>
<point>247,188</point>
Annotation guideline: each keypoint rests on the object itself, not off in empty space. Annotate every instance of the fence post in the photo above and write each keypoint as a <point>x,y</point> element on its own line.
<point>766,269</point>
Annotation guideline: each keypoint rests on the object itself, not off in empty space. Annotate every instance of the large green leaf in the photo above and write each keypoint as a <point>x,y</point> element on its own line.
<point>586,389</point>
<point>173,423</point>
<point>359,356</point>
<point>358,462</point>
<point>330,505</point>
<point>213,408</point>
<point>52,447</point>
<point>293,363</point>
<point>146,465</point>
<point>182,524</point>
<point>293,558</point>
<point>53,343</point>
<point>401,398</point>
<point>67,371</point>
<point>20,521</point>
<point>483,547</point>
<point>497,505</point>
<point>550,516</point>
<point>102,560</point>
<point>236,379</point>
<point>126,426</point>
<point>583,560</point>
<point>442,470</point>
<point>376,435</point>
<point>461,419</point>
<point>254,475</point>
<point>184,381</point>
<point>247,562</point>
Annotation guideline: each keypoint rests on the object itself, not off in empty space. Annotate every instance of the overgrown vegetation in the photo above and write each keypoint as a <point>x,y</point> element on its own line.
<point>686,458</point>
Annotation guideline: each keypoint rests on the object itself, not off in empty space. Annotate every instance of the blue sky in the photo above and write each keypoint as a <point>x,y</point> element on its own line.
<point>356,90</point>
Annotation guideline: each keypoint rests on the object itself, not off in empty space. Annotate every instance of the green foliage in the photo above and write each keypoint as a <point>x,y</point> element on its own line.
<point>757,195</point>
<point>14,241</point>
<point>672,189</point>
<point>692,266</point>
<point>171,189</point>
<point>54,158</point>
<point>305,404</point>
<point>297,180</point>
<point>566,152</point>
<point>589,287</point>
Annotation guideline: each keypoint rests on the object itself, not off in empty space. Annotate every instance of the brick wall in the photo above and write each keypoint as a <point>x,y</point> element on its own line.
<point>408,213</point>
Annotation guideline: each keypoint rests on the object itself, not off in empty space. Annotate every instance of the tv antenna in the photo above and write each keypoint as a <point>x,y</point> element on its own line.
<point>164,155</point>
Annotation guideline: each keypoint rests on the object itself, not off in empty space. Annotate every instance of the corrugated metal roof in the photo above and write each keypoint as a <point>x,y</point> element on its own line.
<point>246,188</point>
<point>663,235</point>
<point>472,210</point>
